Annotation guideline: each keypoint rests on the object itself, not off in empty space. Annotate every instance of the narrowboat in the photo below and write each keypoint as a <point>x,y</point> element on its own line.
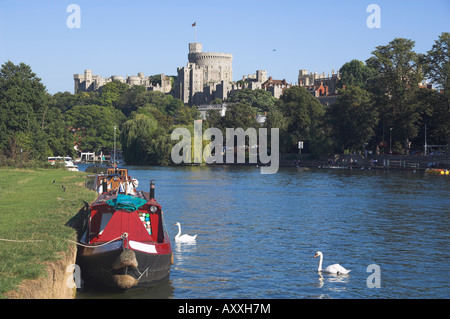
<point>124,243</point>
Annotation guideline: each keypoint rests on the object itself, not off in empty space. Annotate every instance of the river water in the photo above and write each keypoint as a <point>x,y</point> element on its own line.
<point>257,234</point>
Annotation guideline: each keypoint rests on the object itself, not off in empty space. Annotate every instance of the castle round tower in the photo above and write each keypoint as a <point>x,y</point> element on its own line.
<point>217,67</point>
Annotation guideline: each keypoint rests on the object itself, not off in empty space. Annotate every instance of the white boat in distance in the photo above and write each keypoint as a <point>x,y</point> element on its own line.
<point>67,160</point>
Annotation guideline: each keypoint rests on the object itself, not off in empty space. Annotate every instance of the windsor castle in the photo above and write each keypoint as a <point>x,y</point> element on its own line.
<point>209,76</point>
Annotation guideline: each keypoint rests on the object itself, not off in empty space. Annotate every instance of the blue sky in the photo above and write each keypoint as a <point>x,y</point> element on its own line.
<point>127,37</point>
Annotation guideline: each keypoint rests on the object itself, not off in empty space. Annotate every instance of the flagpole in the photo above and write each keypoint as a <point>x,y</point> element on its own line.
<point>195,31</point>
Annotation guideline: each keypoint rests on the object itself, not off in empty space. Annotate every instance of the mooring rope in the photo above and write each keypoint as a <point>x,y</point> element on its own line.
<point>20,241</point>
<point>123,236</point>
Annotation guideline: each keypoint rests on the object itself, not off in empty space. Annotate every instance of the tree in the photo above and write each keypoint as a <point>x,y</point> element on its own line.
<point>112,92</point>
<point>436,64</point>
<point>171,105</point>
<point>166,104</point>
<point>303,114</point>
<point>352,119</point>
<point>261,100</point>
<point>135,136</point>
<point>164,121</point>
<point>185,115</point>
<point>355,73</point>
<point>94,126</point>
<point>276,119</point>
<point>57,134</point>
<point>143,142</point>
<point>66,100</point>
<point>239,115</point>
<point>399,73</point>
<point>151,99</point>
<point>159,149</point>
<point>24,108</point>
<point>435,115</point>
<point>128,102</point>
<point>214,119</point>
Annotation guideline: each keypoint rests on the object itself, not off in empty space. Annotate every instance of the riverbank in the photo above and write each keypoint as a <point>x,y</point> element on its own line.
<point>35,206</point>
<point>412,162</point>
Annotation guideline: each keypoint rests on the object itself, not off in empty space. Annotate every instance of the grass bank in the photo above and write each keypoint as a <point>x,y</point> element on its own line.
<point>35,205</point>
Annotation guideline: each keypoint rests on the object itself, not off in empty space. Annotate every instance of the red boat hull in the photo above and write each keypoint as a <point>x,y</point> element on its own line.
<point>124,246</point>
<point>97,267</point>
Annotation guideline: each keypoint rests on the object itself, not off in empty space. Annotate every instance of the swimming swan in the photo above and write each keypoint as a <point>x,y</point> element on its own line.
<point>332,269</point>
<point>183,238</point>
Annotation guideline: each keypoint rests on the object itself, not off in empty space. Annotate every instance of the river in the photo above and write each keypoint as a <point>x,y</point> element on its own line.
<point>258,234</point>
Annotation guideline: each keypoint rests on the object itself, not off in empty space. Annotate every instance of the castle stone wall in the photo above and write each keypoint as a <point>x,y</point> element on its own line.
<point>88,82</point>
<point>196,83</point>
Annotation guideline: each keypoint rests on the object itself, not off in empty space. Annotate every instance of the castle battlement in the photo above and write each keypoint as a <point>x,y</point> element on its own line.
<point>210,55</point>
<point>88,82</point>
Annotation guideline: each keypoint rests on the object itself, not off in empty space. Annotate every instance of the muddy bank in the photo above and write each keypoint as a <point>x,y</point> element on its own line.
<point>54,285</point>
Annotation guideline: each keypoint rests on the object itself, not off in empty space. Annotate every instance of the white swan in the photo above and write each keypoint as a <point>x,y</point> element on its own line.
<point>332,269</point>
<point>183,238</point>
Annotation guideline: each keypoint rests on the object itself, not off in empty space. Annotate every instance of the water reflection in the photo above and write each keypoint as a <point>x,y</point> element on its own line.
<point>332,279</point>
<point>163,290</point>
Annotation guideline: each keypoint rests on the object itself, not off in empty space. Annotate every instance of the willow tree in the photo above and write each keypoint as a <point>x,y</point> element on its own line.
<point>136,134</point>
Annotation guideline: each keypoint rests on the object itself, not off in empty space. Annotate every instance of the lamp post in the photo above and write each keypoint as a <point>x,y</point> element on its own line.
<point>390,141</point>
<point>115,148</point>
<point>425,146</point>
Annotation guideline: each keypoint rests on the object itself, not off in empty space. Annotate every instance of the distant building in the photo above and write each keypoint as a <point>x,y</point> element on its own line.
<point>276,87</point>
<point>255,81</point>
<point>209,76</point>
<point>88,82</point>
<point>321,86</point>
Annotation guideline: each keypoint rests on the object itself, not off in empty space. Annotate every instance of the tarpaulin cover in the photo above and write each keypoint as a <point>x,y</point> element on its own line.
<point>127,202</point>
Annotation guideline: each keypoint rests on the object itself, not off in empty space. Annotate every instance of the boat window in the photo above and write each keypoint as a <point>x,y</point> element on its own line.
<point>106,217</point>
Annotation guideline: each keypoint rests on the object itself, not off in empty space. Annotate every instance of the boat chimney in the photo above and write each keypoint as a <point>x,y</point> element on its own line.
<point>104,186</point>
<point>152,190</point>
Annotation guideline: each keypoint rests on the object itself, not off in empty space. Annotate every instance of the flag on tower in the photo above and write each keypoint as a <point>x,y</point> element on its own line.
<point>194,24</point>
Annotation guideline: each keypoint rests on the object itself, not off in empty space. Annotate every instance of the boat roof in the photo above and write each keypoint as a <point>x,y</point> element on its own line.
<point>127,202</point>
<point>140,196</point>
